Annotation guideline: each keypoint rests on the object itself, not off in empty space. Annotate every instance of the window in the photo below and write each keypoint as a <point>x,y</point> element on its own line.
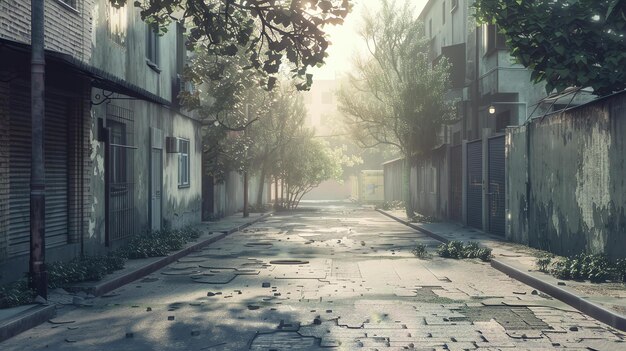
<point>119,157</point>
<point>492,40</point>
<point>443,12</point>
<point>117,23</point>
<point>183,163</point>
<point>70,3</point>
<point>181,50</point>
<point>152,46</point>
<point>430,28</point>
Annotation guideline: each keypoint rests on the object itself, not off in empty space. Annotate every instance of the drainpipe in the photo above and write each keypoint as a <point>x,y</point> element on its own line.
<point>37,267</point>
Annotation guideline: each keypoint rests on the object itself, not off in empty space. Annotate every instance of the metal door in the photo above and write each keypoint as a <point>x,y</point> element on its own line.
<point>496,186</point>
<point>475,184</point>
<point>456,186</point>
<point>155,191</point>
<point>156,178</point>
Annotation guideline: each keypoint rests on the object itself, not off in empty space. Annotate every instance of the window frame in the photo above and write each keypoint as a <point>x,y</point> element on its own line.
<point>120,37</point>
<point>152,47</point>
<point>73,6</point>
<point>184,163</point>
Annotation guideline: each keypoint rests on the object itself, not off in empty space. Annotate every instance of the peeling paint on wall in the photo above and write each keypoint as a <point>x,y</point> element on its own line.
<point>593,183</point>
<point>575,183</point>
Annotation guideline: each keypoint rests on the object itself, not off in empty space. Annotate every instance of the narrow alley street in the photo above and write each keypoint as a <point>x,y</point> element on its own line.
<point>335,276</point>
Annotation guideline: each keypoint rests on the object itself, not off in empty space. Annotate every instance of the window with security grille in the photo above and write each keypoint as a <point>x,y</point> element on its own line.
<point>183,163</point>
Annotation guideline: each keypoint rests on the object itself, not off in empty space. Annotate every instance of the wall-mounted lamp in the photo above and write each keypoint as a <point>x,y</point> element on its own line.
<point>492,107</point>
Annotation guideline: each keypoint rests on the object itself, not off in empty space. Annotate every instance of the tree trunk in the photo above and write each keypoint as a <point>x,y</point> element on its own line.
<point>406,188</point>
<point>245,195</point>
<point>259,195</point>
<point>275,191</point>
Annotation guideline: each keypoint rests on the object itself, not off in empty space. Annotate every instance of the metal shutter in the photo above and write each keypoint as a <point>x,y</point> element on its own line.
<point>475,184</point>
<point>496,186</point>
<point>55,148</point>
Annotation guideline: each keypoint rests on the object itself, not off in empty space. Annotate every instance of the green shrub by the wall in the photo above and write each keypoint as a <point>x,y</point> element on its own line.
<point>593,267</point>
<point>420,251</point>
<point>456,249</point>
<point>16,294</point>
<point>159,243</point>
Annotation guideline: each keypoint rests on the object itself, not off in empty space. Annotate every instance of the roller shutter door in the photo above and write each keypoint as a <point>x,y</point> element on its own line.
<point>56,162</point>
<point>496,186</point>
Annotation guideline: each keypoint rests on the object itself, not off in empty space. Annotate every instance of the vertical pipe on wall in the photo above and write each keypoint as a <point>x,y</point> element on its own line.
<point>37,267</point>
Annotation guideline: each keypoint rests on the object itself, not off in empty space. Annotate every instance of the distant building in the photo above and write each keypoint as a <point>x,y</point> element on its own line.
<point>321,104</point>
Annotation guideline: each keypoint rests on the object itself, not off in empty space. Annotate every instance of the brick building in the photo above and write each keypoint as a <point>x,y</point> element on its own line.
<point>121,155</point>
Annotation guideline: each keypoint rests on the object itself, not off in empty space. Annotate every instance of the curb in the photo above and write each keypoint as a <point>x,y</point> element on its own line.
<point>25,320</point>
<point>593,310</point>
<point>416,227</point>
<point>598,312</point>
<point>107,286</point>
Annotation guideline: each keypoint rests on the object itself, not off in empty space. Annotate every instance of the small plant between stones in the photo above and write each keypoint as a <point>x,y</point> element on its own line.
<point>457,250</point>
<point>596,268</point>
<point>420,251</point>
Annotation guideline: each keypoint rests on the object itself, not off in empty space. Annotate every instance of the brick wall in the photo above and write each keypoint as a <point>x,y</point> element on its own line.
<point>67,30</point>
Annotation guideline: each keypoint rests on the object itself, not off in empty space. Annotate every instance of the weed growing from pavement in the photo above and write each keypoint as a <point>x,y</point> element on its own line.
<point>420,251</point>
<point>457,250</point>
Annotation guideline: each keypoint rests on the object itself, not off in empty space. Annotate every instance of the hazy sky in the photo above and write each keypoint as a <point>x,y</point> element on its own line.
<point>345,40</point>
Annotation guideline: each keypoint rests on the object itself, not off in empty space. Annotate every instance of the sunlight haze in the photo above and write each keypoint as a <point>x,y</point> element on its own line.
<point>345,39</point>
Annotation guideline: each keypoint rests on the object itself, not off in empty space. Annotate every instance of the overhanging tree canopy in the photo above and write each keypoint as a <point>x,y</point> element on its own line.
<point>268,31</point>
<point>579,43</point>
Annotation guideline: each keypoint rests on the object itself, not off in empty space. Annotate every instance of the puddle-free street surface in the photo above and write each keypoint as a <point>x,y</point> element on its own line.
<point>337,277</point>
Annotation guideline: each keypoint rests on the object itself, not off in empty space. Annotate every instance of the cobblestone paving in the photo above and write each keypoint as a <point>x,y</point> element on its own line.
<point>338,278</point>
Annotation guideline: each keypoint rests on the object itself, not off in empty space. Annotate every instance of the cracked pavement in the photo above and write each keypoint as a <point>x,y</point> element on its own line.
<point>337,277</point>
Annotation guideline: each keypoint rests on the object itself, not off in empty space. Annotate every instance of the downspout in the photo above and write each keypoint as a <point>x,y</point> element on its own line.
<point>37,266</point>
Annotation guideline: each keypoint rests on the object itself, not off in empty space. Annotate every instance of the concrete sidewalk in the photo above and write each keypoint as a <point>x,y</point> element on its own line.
<point>16,320</point>
<point>605,302</point>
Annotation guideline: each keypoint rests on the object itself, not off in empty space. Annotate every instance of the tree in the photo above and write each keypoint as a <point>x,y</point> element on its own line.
<point>305,165</point>
<point>397,96</point>
<point>566,43</point>
<point>267,32</point>
<point>277,129</point>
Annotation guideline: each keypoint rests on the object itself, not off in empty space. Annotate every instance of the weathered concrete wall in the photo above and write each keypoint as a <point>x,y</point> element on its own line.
<point>330,190</point>
<point>394,174</point>
<point>577,192</point>
<point>429,184</point>
<point>228,196</point>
